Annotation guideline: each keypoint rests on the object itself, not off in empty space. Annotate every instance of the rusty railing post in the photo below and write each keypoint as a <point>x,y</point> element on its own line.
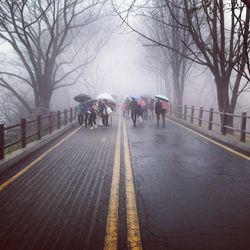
<point>65,117</point>
<point>50,123</point>
<point>223,123</point>
<point>1,141</point>
<point>210,121</point>
<point>71,115</point>
<point>39,127</point>
<point>243,126</point>
<point>192,115</point>
<point>200,116</point>
<point>23,133</point>
<point>75,113</point>
<point>185,112</point>
<point>58,119</point>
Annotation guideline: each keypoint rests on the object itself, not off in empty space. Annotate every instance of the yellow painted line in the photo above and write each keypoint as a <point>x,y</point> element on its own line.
<point>24,170</point>
<point>111,234</point>
<point>134,236</point>
<point>214,142</point>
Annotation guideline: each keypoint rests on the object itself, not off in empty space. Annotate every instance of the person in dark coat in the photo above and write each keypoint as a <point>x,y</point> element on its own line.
<point>104,113</point>
<point>134,109</point>
<point>158,110</point>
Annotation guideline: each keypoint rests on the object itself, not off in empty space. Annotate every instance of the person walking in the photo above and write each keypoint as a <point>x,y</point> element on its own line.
<point>158,110</point>
<point>104,113</point>
<point>164,108</point>
<point>92,115</point>
<point>134,110</point>
<point>86,112</point>
<point>79,112</point>
<point>151,109</point>
<point>141,105</point>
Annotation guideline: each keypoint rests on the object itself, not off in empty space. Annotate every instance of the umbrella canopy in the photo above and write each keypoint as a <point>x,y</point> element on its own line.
<point>111,103</point>
<point>134,97</point>
<point>82,98</point>
<point>90,101</point>
<point>162,97</point>
<point>105,96</point>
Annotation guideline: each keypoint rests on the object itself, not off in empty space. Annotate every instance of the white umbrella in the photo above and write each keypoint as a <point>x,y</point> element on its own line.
<point>105,96</point>
<point>162,97</point>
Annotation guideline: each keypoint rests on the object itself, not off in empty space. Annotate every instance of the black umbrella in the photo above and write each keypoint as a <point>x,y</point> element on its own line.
<point>82,98</point>
<point>90,101</point>
<point>111,103</point>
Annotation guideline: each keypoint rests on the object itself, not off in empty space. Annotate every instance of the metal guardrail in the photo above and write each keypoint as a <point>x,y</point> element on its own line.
<point>29,131</point>
<point>193,114</point>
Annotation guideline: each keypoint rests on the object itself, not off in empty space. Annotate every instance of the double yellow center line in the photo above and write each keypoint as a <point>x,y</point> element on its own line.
<point>111,236</point>
<point>133,230</point>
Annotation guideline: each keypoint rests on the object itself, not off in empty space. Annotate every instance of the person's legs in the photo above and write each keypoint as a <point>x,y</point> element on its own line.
<point>79,121</point>
<point>103,120</point>
<point>107,120</point>
<point>163,117</point>
<point>86,116</point>
<point>158,119</point>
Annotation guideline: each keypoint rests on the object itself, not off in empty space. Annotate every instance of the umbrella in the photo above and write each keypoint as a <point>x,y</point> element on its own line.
<point>105,96</point>
<point>82,98</point>
<point>134,97</point>
<point>162,97</point>
<point>90,101</point>
<point>111,103</point>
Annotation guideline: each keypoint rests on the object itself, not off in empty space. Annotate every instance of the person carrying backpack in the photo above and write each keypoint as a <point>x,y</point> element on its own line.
<point>164,108</point>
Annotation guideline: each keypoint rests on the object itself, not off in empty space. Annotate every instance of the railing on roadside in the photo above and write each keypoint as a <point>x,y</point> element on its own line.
<point>214,120</point>
<point>19,135</point>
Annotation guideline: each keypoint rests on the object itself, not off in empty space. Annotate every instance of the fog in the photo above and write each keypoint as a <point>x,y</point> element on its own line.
<point>118,69</point>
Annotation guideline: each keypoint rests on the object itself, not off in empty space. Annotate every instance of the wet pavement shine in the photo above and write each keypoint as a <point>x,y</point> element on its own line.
<point>191,194</point>
<point>147,188</point>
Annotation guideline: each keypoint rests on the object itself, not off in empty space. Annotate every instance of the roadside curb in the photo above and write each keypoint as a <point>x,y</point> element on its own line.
<point>236,145</point>
<point>20,154</point>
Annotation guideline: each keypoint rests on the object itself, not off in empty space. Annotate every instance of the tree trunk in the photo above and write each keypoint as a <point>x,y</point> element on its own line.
<point>224,102</point>
<point>177,93</point>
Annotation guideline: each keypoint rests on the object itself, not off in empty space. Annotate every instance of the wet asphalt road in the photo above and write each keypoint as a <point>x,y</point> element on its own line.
<point>190,193</point>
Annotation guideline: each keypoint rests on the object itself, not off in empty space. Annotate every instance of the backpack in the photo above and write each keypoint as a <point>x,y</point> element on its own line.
<point>158,107</point>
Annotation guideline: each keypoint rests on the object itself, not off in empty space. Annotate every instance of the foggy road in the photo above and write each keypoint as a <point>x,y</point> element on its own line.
<point>184,192</point>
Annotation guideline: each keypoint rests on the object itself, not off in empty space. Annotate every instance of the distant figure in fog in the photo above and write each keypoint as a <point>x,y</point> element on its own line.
<point>86,112</point>
<point>92,116</point>
<point>104,113</point>
<point>134,110</point>
<point>127,107</point>
<point>164,108</point>
<point>140,110</point>
<point>158,110</point>
<point>151,109</point>
<point>79,112</point>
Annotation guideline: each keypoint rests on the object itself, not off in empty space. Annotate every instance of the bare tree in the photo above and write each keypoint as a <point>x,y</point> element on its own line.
<point>41,33</point>
<point>11,110</point>
<point>221,45</point>
<point>165,34</point>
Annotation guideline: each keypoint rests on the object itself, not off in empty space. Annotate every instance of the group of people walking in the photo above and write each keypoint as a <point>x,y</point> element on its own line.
<point>87,113</point>
<point>144,108</point>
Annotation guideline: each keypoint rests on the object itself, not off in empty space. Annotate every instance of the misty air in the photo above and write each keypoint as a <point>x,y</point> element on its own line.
<point>124,124</point>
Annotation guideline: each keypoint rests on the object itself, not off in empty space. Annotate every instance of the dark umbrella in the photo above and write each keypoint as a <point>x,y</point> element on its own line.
<point>82,98</point>
<point>111,103</point>
<point>90,101</point>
